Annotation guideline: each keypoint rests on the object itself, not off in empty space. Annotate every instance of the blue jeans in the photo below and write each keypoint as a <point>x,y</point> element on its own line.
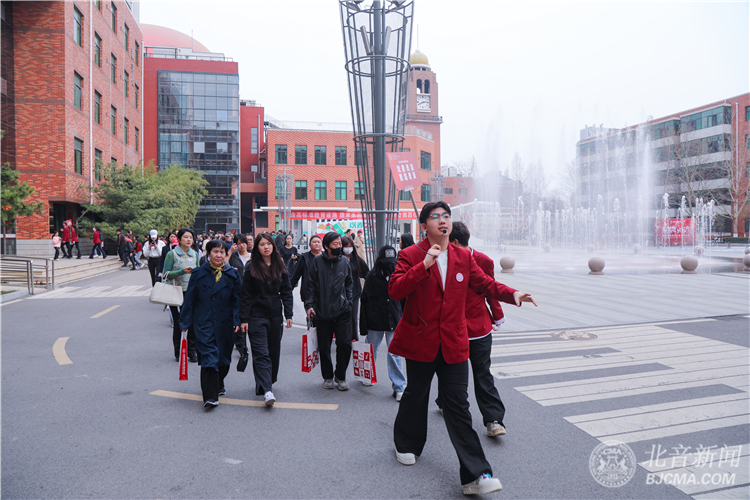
<point>395,363</point>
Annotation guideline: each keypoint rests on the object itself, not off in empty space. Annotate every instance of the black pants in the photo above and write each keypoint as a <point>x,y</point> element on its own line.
<point>124,257</point>
<point>355,319</point>
<point>177,335</point>
<point>488,399</point>
<point>132,260</point>
<point>326,329</point>
<point>94,248</point>
<point>57,252</point>
<point>70,250</point>
<point>212,382</point>
<point>265,343</point>
<point>153,263</point>
<point>410,427</point>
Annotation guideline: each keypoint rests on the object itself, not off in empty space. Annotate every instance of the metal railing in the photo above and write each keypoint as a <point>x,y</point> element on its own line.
<point>19,269</point>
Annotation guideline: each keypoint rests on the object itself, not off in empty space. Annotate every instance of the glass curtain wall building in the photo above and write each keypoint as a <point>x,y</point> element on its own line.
<point>199,128</point>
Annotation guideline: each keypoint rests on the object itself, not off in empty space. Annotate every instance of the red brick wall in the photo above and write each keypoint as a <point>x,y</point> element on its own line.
<point>47,122</point>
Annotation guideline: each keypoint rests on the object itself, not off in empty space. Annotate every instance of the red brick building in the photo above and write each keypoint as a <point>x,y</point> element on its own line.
<point>71,94</point>
<point>322,159</point>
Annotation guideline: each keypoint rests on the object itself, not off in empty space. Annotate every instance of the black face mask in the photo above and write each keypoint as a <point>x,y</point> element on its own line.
<point>389,268</point>
<point>336,251</point>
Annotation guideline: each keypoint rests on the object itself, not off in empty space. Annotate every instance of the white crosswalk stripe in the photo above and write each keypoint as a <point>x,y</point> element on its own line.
<point>95,292</point>
<point>691,361</point>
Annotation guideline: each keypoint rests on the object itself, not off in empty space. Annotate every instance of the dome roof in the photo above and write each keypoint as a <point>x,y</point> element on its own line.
<point>160,36</point>
<point>419,58</point>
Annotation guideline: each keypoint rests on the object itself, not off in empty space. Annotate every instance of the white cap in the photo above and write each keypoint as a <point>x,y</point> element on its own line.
<point>153,233</point>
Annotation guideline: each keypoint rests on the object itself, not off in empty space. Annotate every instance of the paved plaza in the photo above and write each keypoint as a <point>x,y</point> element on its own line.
<point>92,405</point>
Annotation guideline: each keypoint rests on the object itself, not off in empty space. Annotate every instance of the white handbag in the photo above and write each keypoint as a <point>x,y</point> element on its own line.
<point>165,293</point>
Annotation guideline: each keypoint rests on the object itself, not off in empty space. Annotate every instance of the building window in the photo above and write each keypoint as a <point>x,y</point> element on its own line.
<point>340,155</point>
<point>97,165</point>
<point>125,83</point>
<point>300,190</point>
<point>279,189</point>
<point>98,4</point>
<point>426,86</point>
<point>320,190</point>
<point>114,16</point>
<point>300,155</point>
<point>426,192</point>
<point>277,224</point>
<point>125,126</point>
<point>747,141</point>
<point>98,50</point>
<point>448,191</point>
<point>463,190</point>
<point>136,138</point>
<point>112,120</point>
<point>79,156</point>
<point>113,161</point>
<point>425,160</point>
<point>320,155</point>
<point>254,140</point>
<point>77,93</point>
<point>359,157</point>
<point>98,108</point>
<point>113,68</point>
<point>403,196</point>
<point>78,28</point>
<point>747,113</point>
<point>341,190</point>
<point>359,190</point>
<point>136,96</point>
<point>137,54</point>
<point>281,154</point>
<point>127,36</point>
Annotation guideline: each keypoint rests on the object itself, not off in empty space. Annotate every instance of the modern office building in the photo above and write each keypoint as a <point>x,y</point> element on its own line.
<point>702,152</point>
<point>192,119</point>
<point>72,94</point>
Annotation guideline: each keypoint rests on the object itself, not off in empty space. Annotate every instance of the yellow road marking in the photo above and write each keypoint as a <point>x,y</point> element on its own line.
<point>99,315</point>
<point>245,402</point>
<point>58,349</point>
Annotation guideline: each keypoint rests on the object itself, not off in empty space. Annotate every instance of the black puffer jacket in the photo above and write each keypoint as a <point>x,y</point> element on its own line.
<point>329,287</point>
<point>302,270</point>
<point>260,299</point>
<point>378,312</point>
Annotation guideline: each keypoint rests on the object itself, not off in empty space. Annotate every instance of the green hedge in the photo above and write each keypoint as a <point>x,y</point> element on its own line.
<point>731,239</point>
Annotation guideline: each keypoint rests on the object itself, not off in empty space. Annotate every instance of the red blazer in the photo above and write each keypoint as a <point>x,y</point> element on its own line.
<point>97,237</point>
<point>434,318</point>
<point>73,235</point>
<point>478,319</point>
<point>66,234</point>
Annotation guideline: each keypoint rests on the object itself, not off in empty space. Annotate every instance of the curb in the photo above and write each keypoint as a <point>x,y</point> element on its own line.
<point>13,295</point>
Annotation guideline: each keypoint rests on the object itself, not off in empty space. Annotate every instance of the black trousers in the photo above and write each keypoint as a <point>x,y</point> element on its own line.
<point>355,319</point>
<point>326,328</point>
<point>153,263</point>
<point>124,257</point>
<point>101,250</point>
<point>177,335</point>
<point>64,249</point>
<point>57,252</point>
<point>410,427</point>
<point>265,343</point>
<point>212,382</point>
<point>488,399</point>
<point>70,249</point>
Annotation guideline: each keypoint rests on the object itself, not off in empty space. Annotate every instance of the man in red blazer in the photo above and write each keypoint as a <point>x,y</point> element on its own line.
<point>480,324</point>
<point>432,337</point>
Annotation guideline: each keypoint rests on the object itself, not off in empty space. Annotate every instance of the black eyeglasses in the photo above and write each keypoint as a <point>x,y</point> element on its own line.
<point>444,215</point>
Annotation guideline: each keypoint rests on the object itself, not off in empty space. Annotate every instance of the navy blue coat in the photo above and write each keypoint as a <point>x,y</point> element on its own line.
<point>214,310</point>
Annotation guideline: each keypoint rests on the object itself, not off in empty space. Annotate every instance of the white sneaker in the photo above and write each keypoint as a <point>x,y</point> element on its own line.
<point>398,396</point>
<point>406,458</point>
<point>269,399</point>
<point>495,429</point>
<point>366,383</point>
<point>483,484</point>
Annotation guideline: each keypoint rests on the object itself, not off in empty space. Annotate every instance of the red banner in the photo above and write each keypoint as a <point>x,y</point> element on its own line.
<point>404,170</point>
<point>676,232</point>
<point>315,215</point>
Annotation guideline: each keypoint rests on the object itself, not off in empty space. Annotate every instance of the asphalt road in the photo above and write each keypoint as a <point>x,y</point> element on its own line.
<point>94,428</point>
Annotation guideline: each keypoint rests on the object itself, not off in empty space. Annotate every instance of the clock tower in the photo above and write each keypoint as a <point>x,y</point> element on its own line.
<point>422,109</point>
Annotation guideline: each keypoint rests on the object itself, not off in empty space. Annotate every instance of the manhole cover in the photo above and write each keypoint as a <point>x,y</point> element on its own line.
<point>574,335</point>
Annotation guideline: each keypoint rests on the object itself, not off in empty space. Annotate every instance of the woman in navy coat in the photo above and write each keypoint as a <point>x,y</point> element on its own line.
<point>212,306</point>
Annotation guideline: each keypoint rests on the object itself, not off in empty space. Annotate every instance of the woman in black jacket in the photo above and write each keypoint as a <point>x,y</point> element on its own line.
<point>240,256</point>
<point>265,288</point>
<point>380,314</point>
<point>359,273</point>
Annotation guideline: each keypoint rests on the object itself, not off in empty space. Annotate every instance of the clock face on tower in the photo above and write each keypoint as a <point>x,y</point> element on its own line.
<point>423,102</point>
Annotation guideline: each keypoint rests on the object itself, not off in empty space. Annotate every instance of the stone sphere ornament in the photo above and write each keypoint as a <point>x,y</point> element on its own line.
<point>747,250</point>
<point>507,263</point>
<point>596,264</point>
<point>689,264</point>
<point>699,249</point>
<point>746,261</point>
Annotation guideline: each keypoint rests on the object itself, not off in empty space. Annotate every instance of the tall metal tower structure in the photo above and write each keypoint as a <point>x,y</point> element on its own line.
<point>377,44</point>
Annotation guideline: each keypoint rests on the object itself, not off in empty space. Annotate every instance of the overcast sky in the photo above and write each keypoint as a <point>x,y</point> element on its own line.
<point>513,77</point>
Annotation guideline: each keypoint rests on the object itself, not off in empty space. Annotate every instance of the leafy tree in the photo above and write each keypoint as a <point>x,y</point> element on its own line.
<point>13,195</point>
<point>142,198</point>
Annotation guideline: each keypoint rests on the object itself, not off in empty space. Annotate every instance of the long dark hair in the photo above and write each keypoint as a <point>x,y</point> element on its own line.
<point>353,257</point>
<point>258,268</point>
<point>407,240</point>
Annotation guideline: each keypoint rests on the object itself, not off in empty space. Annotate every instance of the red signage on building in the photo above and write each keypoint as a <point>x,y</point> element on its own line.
<point>330,215</point>
<point>676,232</point>
<point>404,170</point>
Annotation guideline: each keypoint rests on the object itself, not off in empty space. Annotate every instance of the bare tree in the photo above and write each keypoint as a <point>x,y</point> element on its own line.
<point>466,168</point>
<point>537,181</point>
<point>570,184</point>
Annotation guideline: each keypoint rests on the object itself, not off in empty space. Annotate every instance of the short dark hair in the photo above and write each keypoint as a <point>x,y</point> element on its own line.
<point>460,233</point>
<point>429,207</point>
<point>182,232</point>
<point>315,236</point>
<point>240,238</point>
<point>215,244</point>
<point>329,238</point>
